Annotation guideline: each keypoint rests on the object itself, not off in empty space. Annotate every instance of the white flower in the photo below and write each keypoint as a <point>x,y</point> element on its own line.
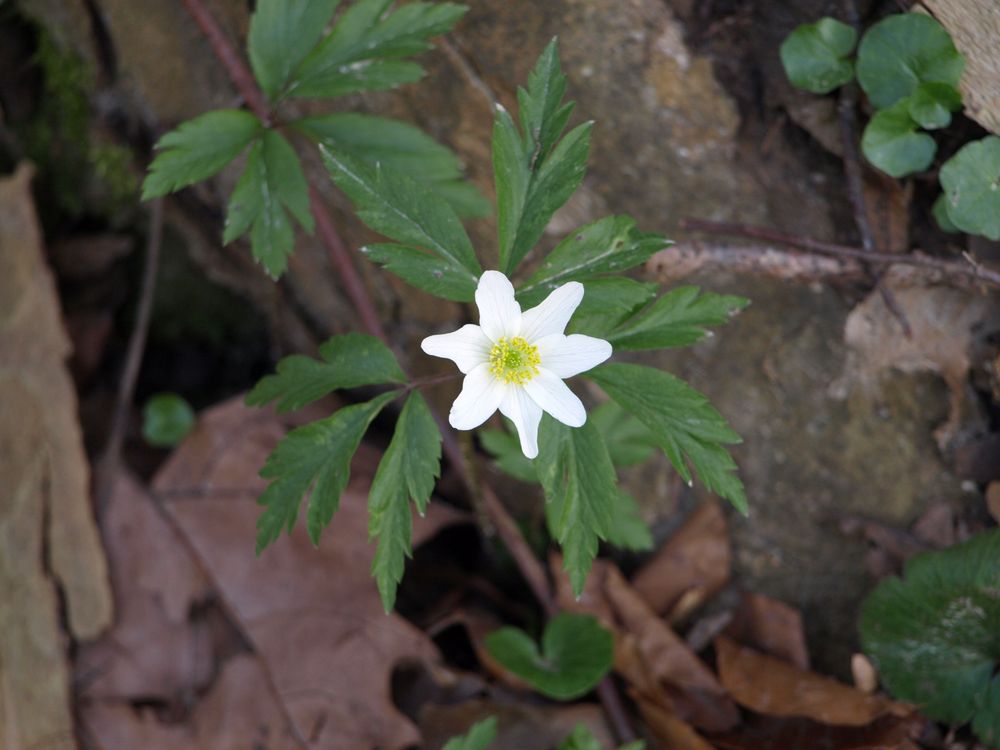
<point>515,361</point>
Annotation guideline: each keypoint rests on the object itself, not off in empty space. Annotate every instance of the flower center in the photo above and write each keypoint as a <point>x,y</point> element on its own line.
<point>514,360</point>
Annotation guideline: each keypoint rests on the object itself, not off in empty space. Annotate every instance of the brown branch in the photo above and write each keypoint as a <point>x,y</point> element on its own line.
<point>108,464</point>
<point>952,271</point>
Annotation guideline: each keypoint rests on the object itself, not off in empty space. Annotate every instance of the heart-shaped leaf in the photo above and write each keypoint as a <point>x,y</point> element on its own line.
<point>815,55</point>
<point>891,142</point>
<point>576,654</point>
<point>931,104</point>
<point>971,182</point>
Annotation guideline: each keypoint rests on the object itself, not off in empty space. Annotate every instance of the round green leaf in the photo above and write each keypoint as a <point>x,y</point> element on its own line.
<point>971,182</point>
<point>900,52</point>
<point>166,419</point>
<point>576,654</point>
<point>931,104</point>
<point>935,636</point>
<point>892,143</point>
<point>940,211</point>
<point>814,55</point>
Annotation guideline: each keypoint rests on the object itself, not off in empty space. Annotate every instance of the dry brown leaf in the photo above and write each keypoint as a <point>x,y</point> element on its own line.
<point>772,733</point>
<point>156,582</point>
<point>993,500</point>
<point>696,558</point>
<point>670,731</point>
<point>888,207</point>
<point>774,687</point>
<point>47,532</point>
<point>772,627</point>
<point>313,615</point>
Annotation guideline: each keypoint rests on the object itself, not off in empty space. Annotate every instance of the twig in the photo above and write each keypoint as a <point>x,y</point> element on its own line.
<point>107,466</point>
<point>464,67</point>
<point>948,269</point>
<point>685,258</point>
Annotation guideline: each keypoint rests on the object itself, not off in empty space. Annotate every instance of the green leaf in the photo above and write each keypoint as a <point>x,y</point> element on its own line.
<point>581,492</point>
<point>394,205</point>
<point>815,55</point>
<point>902,51</point>
<point>940,211</point>
<point>198,149</point>
<point>986,722</point>
<point>271,183</point>
<point>581,738</point>
<point>931,104</point>
<point>166,419</point>
<point>935,634</point>
<point>576,654</point>
<point>610,245</point>
<point>401,147</point>
<point>606,303</point>
<point>506,451</point>
<point>348,361</point>
<point>317,456</point>
<point>360,52</point>
<point>971,182</point>
<point>629,441</point>
<point>407,471</point>
<point>679,318</point>
<point>891,142</point>
<point>477,738</point>
<point>282,33</point>
<point>686,426</point>
<point>433,274</point>
<point>628,530</point>
<point>534,172</point>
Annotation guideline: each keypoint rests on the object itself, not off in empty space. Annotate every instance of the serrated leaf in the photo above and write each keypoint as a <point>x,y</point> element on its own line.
<point>686,426</point>
<point>282,33</point>
<point>891,142</point>
<point>506,451</point>
<point>931,104</point>
<point>348,361</point>
<point>629,441</point>
<point>628,530</point>
<point>313,459</point>
<point>198,149</point>
<point>606,303</point>
<point>477,738</point>
<point>407,471</point>
<point>816,55</point>
<point>971,182</point>
<point>399,146</point>
<point>166,419</point>
<point>610,245</point>
<point>535,173</point>
<point>576,654</point>
<point>934,633</point>
<point>581,492</point>
<point>394,205</point>
<point>902,51</point>
<point>433,274</point>
<point>679,318</point>
<point>272,184</point>
<point>360,53</point>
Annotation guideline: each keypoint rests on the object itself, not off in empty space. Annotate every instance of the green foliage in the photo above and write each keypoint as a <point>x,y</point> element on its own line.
<point>891,142</point>
<point>686,426</point>
<point>931,104</point>
<point>282,32</point>
<point>581,738</point>
<point>581,492</point>
<point>940,212</point>
<point>401,209</point>
<point>316,456</point>
<point>166,419</point>
<point>401,147</point>
<point>607,302</point>
<point>576,654</point>
<point>348,361</point>
<point>628,530</point>
<point>363,50</point>
<point>198,149</point>
<point>272,185</point>
<point>534,172</point>
<point>971,182</point>
<point>935,634</point>
<point>816,55</point>
<point>902,51</point>
<point>407,471</point>
<point>477,738</point>
<point>505,448</point>
<point>629,441</point>
<point>679,318</point>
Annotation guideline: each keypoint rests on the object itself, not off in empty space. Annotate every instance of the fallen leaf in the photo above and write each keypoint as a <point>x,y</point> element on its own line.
<point>771,733</point>
<point>772,627</point>
<point>993,500</point>
<point>774,687</point>
<point>312,615</point>
<point>696,558</point>
<point>668,729</point>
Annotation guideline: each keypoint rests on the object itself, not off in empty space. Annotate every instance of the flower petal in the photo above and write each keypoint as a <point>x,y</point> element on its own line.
<point>566,356</point>
<point>480,397</point>
<point>520,409</point>
<point>554,312</point>
<point>466,347</point>
<point>499,313</point>
<point>553,395</point>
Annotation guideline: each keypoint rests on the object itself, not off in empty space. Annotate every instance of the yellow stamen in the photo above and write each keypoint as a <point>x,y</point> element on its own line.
<point>514,360</point>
